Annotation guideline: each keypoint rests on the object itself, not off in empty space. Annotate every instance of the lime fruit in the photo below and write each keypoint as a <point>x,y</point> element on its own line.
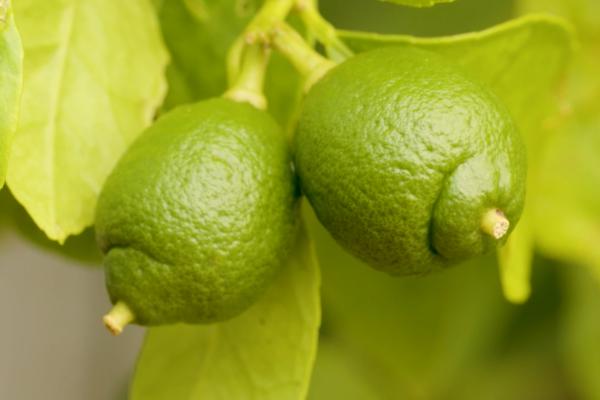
<point>409,163</point>
<point>198,215</point>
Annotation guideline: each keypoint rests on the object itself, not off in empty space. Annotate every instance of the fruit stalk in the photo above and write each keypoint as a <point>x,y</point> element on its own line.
<point>272,12</point>
<point>118,317</point>
<point>322,29</point>
<point>248,86</point>
<point>257,31</point>
<point>305,59</point>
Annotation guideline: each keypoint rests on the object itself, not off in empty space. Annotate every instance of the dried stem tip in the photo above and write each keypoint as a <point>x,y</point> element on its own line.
<point>118,317</point>
<point>495,223</point>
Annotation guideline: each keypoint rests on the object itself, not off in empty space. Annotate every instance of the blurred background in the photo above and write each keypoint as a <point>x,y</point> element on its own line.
<point>448,336</point>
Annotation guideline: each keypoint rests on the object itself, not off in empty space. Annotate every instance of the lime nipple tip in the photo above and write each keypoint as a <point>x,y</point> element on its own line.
<point>117,318</point>
<point>495,223</point>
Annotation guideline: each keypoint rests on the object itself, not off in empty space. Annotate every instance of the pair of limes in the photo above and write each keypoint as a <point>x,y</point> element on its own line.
<point>408,162</point>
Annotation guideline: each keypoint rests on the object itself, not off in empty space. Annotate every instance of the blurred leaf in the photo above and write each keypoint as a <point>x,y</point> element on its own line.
<point>445,19</point>
<point>581,330</point>
<point>413,337</point>
<point>567,177</point>
<point>11,83</point>
<point>447,336</point>
<point>337,375</point>
<point>514,260</point>
<point>581,89</point>
<point>93,77</point>
<point>418,3</point>
<point>265,353</point>
<point>585,14</point>
<point>567,193</point>
<point>531,372</point>
<point>525,363</point>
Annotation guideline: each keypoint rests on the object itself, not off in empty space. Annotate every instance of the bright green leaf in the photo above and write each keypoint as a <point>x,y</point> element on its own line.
<point>265,353</point>
<point>11,80</point>
<point>418,3</point>
<point>93,77</point>
<point>567,209</point>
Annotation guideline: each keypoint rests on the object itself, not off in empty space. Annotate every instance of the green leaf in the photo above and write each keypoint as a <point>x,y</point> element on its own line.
<point>418,3</point>
<point>265,353</point>
<point>93,77</point>
<point>522,61</point>
<point>11,81</point>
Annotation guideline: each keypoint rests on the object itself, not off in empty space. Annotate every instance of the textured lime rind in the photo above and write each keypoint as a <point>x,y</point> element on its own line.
<point>401,154</point>
<point>197,217</point>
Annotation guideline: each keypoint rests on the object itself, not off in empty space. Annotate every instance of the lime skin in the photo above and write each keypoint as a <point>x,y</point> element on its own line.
<point>199,214</point>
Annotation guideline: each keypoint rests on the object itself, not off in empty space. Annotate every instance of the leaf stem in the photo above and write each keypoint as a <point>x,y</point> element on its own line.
<point>118,317</point>
<point>323,31</point>
<point>305,59</point>
<point>495,223</point>
<point>248,85</point>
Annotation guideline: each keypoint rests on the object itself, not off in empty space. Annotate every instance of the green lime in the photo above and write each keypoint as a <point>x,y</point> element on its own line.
<point>198,215</point>
<point>410,163</point>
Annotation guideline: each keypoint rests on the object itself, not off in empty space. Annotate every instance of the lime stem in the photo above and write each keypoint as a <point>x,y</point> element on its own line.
<point>495,223</point>
<point>118,317</point>
<point>304,58</point>
<point>257,31</point>
<point>323,31</point>
<point>272,12</point>
<point>248,85</point>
